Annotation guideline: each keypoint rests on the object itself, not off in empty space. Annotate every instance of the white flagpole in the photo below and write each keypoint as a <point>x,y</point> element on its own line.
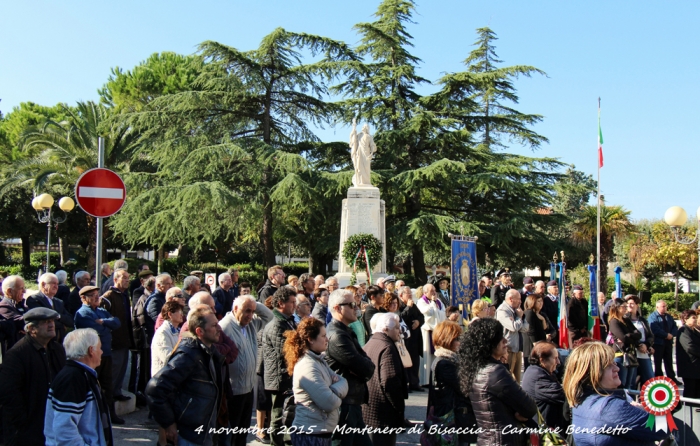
<point>597,278</point>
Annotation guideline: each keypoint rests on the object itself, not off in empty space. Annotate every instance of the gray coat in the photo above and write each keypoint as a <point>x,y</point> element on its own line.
<point>318,398</point>
<point>242,370</point>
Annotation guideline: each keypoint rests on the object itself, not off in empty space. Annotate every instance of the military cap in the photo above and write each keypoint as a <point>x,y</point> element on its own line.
<point>578,288</point>
<point>391,278</point>
<point>503,271</point>
<point>552,283</point>
<point>527,280</point>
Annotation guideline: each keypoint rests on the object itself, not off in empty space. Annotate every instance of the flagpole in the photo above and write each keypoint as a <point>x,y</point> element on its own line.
<point>597,278</point>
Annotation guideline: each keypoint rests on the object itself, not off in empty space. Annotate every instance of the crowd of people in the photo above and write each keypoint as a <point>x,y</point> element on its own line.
<point>321,365</point>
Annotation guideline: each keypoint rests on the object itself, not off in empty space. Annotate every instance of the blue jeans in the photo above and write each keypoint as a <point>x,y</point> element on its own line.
<point>645,370</point>
<point>628,375</point>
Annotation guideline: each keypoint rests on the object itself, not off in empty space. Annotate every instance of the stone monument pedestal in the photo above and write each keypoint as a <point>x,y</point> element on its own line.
<point>362,212</point>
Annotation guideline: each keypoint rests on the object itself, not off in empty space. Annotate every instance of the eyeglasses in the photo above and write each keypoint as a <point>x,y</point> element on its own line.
<point>352,305</point>
<point>178,296</point>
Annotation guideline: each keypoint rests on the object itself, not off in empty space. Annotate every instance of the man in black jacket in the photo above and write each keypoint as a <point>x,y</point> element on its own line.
<point>413,318</point>
<point>27,372</point>
<point>275,279</point>
<point>277,380</point>
<point>346,357</point>
<point>12,311</point>
<point>499,290</point>
<point>577,315</point>
<point>46,297</point>
<point>375,294</point>
<point>73,303</point>
<point>186,393</point>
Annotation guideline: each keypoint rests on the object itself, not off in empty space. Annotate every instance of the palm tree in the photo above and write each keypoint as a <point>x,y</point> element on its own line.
<point>59,152</point>
<point>614,222</point>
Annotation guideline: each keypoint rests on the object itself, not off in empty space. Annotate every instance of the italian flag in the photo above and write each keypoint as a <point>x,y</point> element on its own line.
<point>600,142</point>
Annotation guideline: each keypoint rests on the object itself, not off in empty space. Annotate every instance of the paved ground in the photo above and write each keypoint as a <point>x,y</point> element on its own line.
<point>138,430</point>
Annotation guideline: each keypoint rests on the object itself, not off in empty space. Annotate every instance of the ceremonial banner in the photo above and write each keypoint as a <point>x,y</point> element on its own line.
<point>593,316</point>
<point>464,282</point>
<point>552,271</point>
<point>618,283</point>
<point>563,329</point>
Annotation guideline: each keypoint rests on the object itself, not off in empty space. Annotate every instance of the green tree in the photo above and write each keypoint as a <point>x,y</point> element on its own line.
<point>13,125</point>
<point>614,224</point>
<point>236,133</point>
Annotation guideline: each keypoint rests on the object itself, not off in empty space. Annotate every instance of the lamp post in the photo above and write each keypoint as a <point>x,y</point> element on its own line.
<point>676,217</point>
<point>42,205</point>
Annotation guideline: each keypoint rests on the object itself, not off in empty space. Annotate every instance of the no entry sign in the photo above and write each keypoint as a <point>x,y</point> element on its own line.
<point>100,192</point>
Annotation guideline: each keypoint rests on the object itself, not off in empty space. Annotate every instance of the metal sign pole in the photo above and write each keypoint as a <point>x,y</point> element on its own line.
<point>98,254</point>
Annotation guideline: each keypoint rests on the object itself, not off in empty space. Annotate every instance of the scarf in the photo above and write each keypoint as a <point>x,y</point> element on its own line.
<point>437,302</point>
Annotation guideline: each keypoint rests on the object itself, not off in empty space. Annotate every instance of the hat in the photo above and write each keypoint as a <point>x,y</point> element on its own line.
<point>578,288</point>
<point>195,273</point>
<point>503,271</point>
<point>527,280</point>
<point>323,286</point>
<point>86,289</point>
<point>40,314</point>
<point>391,278</point>
<point>552,283</point>
<point>145,273</point>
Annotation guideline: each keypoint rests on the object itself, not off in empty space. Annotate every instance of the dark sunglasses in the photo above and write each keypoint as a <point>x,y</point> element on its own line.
<point>352,305</point>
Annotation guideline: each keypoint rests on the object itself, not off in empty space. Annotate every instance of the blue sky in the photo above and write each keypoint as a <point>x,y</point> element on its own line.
<point>639,57</point>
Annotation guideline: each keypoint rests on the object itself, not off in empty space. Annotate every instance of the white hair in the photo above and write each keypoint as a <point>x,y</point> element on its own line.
<point>405,289</point>
<point>331,279</point>
<point>121,264</point>
<point>77,342</point>
<point>240,300</point>
<point>189,280</point>
<point>46,276</point>
<point>80,275</point>
<point>104,267</point>
<point>61,276</point>
<point>171,292</point>
<point>380,281</point>
<point>382,322</point>
<point>197,298</point>
<point>222,276</point>
<point>337,297</point>
<point>9,283</point>
<point>161,277</point>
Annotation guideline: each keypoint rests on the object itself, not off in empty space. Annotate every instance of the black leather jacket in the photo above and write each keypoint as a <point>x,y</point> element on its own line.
<point>496,397</point>
<point>187,391</point>
<point>346,358</point>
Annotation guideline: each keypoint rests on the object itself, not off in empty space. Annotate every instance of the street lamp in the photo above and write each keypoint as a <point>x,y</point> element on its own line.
<point>676,217</point>
<point>42,205</point>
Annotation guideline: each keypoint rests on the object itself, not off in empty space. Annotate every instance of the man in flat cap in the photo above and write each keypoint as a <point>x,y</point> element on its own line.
<point>90,315</point>
<point>27,372</point>
<point>528,288</point>
<point>499,290</point>
<point>577,315</point>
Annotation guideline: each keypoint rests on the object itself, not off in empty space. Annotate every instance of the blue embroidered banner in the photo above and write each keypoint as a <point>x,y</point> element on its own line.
<point>593,302</point>
<point>465,281</point>
<point>618,282</point>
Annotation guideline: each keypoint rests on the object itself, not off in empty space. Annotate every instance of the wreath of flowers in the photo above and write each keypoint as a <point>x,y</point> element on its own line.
<point>373,248</point>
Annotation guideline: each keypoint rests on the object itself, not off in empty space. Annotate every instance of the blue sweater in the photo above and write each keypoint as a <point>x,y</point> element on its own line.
<point>608,412</point>
<point>86,317</point>
<point>74,409</point>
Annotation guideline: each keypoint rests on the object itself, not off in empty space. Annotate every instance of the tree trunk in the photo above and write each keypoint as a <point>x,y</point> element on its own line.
<point>161,253</point>
<point>63,250</point>
<point>419,264</point>
<point>26,252</point>
<point>267,241</point>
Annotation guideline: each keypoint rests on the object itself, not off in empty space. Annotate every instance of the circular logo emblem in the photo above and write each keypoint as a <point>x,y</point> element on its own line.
<point>659,395</point>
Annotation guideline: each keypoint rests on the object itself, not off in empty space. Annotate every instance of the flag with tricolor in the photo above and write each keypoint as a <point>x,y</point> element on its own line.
<point>563,329</point>
<point>600,140</point>
<point>593,316</point>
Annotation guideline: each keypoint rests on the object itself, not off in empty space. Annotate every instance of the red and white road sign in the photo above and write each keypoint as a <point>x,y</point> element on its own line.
<point>100,192</point>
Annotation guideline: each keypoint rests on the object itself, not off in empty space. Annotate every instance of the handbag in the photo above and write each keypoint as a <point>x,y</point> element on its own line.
<point>546,437</point>
<point>289,408</point>
<point>444,423</point>
<point>629,358</point>
<point>403,353</point>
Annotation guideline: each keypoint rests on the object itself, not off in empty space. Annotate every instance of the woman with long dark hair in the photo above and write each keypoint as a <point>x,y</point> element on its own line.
<point>646,342</point>
<point>497,399</point>
<point>537,323</point>
<point>688,354</point>
<point>318,390</point>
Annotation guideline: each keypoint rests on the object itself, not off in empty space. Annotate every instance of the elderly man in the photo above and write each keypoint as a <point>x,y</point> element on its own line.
<point>303,309</point>
<point>116,301</point>
<point>90,315</point>
<point>413,319</point>
<point>332,284</point>
<point>400,283</point>
<point>48,286</point>
<point>277,380</point>
<point>106,271</point>
<point>380,283</point>
<point>73,304</point>
<point>346,357</point>
<point>184,396</point>
<point>275,279</point>
<point>318,281</point>
<point>240,325</point>
<point>12,311</point>
<point>551,304</point>
<point>156,301</point>
<point>28,369</point>
<point>602,314</point>
<point>510,315</point>
<point>142,288</point>
<point>75,410</point>
<point>118,265</point>
<point>664,328</point>
<point>540,287</point>
<point>63,289</point>
<point>375,294</point>
<point>190,286</point>
<point>433,311</point>
<point>577,315</point>
<point>224,295</point>
<point>528,288</point>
